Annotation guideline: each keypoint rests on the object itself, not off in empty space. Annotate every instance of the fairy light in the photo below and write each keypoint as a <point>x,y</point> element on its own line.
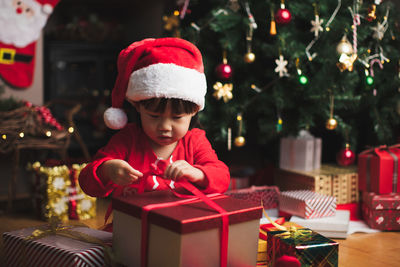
<point>21,135</point>
<point>4,136</point>
<point>71,130</point>
<point>48,133</point>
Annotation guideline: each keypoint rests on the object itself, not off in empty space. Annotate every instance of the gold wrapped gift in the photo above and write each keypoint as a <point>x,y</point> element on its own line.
<point>59,195</point>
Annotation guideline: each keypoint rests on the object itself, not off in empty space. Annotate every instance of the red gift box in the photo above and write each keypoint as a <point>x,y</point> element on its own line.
<point>381,211</point>
<point>185,234</point>
<point>378,170</point>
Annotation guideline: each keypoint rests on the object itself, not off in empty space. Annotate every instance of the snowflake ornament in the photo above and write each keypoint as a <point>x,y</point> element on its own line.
<point>281,66</point>
<point>379,30</point>
<point>317,26</point>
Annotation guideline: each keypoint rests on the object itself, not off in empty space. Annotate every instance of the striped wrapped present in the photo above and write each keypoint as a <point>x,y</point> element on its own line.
<point>307,204</point>
<point>55,250</point>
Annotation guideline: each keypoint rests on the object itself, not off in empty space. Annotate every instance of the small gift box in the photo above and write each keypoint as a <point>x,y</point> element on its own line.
<point>378,170</point>
<point>184,232</point>
<point>268,195</point>
<point>300,153</point>
<point>58,194</point>
<point>62,246</point>
<point>340,182</point>
<point>307,204</point>
<point>333,227</point>
<point>381,211</point>
<point>309,247</point>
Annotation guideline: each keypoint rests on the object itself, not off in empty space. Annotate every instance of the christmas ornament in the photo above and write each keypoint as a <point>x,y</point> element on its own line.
<point>283,15</point>
<point>272,28</point>
<point>21,23</point>
<point>344,46</point>
<point>345,156</point>
<point>317,23</point>
<point>281,66</point>
<point>223,91</point>
<point>249,57</point>
<point>346,62</point>
<point>380,29</point>
<point>240,140</point>
<point>224,70</point>
<point>331,123</point>
<point>371,13</point>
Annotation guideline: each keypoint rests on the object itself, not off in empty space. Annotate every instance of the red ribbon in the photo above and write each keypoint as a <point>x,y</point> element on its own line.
<point>197,195</point>
<point>72,212</point>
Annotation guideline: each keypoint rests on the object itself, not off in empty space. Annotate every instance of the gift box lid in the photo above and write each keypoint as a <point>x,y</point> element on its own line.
<point>382,202</point>
<point>190,216</point>
<point>337,223</point>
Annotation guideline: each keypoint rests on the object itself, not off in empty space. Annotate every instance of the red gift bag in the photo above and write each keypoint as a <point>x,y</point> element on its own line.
<point>378,170</point>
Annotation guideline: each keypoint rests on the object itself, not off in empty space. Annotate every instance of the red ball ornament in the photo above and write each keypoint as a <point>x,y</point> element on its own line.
<point>283,16</point>
<point>223,71</point>
<point>345,156</point>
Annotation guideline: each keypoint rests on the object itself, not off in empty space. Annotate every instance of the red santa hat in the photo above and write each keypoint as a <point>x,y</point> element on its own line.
<point>48,5</point>
<point>156,68</point>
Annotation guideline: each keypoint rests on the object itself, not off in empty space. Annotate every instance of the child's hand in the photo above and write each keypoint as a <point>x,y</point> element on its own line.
<point>118,171</point>
<point>182,168</point>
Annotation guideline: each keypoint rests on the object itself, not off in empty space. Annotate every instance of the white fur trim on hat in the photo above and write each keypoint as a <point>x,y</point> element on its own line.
<point>115,118</point>
<point>47,9</point>
<point>168,81</point>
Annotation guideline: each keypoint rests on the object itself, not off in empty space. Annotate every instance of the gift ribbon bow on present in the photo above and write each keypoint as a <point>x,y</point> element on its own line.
<point>158,170</point>
<point>289,231</point>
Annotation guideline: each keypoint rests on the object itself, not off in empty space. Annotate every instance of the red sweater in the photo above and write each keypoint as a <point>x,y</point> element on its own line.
<point>132,145</point>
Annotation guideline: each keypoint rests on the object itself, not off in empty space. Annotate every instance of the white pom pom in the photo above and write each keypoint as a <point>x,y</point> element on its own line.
<point>47,9</point>
<point>115,118</point>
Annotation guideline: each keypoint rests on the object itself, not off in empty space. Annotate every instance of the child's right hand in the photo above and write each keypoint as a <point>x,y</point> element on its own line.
<point>118,171</point>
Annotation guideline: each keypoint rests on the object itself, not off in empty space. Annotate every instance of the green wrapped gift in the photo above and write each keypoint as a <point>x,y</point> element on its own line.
<point>309,247</point>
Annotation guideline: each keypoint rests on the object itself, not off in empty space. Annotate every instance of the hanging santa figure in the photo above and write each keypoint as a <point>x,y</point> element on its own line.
<point>21,23</point>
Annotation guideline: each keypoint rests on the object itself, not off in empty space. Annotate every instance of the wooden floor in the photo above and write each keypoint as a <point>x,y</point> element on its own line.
<point>359,249</point>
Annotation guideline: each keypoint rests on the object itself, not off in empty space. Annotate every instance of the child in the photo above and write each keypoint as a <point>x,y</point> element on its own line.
<point>164,80</point>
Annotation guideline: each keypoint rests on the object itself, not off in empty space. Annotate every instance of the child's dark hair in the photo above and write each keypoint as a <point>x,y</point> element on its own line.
<point>178,106</point>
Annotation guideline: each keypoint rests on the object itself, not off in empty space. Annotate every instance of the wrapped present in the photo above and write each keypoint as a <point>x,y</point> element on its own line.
<point>378,170</point>
<point>333,227</point>
<point>268,195</point>
<point>181,231</point>
<point>307,204</point>
<point>354,209</point>
<point>309,247</point>
<point>62,246</point>
<point>301,153</point>
<point>340,182</point>
<point>381,211</point>
<point>240,177</point>
<point>58,194</point>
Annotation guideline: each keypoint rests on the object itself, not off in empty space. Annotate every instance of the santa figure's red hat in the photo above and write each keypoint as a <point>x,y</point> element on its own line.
<point>47,5</point>
<point>157,68</point>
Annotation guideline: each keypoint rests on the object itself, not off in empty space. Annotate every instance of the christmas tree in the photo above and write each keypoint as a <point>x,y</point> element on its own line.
<point>277,67</point>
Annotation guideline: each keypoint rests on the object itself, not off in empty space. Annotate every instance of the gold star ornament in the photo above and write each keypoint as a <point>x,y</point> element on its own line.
<point>223,91</point>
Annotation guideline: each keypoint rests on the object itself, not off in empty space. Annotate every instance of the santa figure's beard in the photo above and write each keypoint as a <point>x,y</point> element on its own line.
<point>18,29</point>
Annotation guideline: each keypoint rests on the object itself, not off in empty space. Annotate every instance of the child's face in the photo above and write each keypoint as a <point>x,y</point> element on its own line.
<point>164,128</point>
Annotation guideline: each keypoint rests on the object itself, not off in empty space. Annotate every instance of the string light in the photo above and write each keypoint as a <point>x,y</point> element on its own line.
<point>71,130</point>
